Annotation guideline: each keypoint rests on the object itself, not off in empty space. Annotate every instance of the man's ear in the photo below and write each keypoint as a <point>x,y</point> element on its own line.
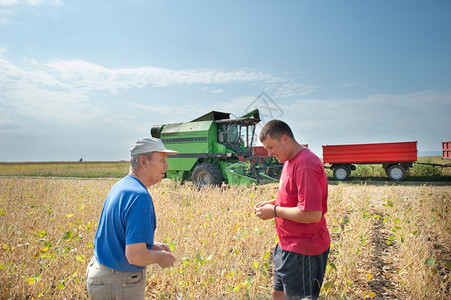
<point>284,138</point>
<point>142,160</point>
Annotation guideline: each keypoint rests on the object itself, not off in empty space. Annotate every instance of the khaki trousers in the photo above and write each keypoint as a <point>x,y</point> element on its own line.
<point>104,283</point>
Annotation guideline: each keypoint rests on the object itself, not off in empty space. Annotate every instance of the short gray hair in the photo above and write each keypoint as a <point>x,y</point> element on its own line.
<point>134,160</point>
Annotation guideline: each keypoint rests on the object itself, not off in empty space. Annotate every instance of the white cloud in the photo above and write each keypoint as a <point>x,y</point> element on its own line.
<point>67,90</point>
<point>29,2</point>
<point>9,9</point>
<point>173,113</point>
<point>76,96</point>
<point>80,92</point>
<point>5,15</point>
<point>9,2</point>
<point>95,77</point>
<point>32,90</point>
<point>291,88</point>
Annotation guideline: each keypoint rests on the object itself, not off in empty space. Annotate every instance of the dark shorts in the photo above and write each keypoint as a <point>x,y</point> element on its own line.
<point>299,276</point>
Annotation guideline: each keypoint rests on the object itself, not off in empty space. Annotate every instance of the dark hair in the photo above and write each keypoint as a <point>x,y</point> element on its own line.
<point>275,129</point>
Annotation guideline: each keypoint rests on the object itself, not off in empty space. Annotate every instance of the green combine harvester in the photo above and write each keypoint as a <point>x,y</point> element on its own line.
<point>214,149</point>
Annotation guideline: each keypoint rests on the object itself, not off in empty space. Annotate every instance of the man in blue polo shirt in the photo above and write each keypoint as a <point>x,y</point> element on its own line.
<point>124,242</point>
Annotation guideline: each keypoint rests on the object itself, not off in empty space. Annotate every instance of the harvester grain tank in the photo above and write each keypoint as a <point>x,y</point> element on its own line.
<point>210,148</point>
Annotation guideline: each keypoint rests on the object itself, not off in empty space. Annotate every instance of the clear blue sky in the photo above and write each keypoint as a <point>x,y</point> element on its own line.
<point>88,78</point>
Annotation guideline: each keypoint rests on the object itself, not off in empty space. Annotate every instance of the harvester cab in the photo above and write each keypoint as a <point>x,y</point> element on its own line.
<point>213,149</point>
<point>238,134</point>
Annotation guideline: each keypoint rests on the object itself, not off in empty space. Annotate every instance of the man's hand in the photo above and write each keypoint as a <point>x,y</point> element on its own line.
<point>138,254</point>
<point>166,259</point>
<point>264,210</point>
<point>161,247</point>
<point>263,203</point>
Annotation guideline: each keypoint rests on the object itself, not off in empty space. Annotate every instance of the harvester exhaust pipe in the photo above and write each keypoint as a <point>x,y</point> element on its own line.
<point>155,131</point>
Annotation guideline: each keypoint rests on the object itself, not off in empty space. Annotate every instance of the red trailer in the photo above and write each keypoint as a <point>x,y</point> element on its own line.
<point>396,158</point>
<point>446,150</point>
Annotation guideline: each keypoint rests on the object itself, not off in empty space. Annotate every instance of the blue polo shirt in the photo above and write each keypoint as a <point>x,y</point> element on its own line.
<point>128,217</point>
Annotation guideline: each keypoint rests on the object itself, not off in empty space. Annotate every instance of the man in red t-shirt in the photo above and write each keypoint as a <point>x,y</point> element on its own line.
<point>300,257</point>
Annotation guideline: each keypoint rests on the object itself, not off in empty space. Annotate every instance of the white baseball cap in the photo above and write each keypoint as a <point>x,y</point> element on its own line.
<point>150,144</point>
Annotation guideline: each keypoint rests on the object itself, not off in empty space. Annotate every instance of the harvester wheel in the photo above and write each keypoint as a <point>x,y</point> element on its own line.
<point>207,174</point>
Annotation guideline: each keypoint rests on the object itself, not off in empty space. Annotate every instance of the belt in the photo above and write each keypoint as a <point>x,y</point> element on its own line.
<point>106,268</point>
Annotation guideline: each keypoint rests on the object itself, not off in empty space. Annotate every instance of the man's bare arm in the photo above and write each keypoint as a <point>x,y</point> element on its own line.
<point>267,211</point>
<point>138,254</point>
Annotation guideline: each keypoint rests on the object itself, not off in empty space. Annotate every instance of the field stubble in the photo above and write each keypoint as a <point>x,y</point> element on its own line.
<point>388,242</point>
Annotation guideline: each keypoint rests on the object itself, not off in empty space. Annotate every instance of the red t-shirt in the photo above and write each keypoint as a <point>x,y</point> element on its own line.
<point>303,184</point>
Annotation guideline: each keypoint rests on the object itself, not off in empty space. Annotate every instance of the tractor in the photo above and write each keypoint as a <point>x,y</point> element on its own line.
<point>215,149</point>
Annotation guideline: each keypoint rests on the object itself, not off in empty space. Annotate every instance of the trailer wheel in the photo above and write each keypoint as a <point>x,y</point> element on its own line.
<point>396,173</point>
<point>207,174</point>
<point>341,172</point>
